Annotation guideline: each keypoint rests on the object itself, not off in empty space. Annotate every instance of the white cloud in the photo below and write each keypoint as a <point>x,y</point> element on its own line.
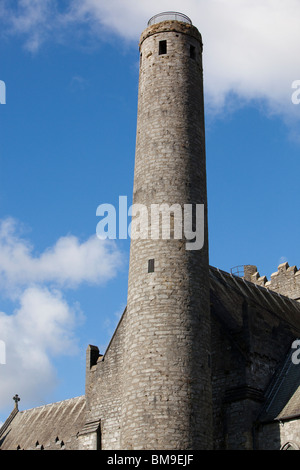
<point>30,18</point>
<point>67,263</point>
<point>41,327</point>
<point>41,323</point>
<point>250,46</point>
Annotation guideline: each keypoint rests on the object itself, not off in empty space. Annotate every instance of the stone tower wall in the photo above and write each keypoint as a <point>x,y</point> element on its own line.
<point>166,399</point>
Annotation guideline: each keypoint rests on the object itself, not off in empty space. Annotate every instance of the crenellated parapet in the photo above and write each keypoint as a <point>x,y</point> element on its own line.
<point>285,281</point>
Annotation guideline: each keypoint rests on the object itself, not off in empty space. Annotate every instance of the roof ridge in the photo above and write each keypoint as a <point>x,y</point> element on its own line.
<point>51,404</point>
<point>251,285</point>
<point>5,425</point>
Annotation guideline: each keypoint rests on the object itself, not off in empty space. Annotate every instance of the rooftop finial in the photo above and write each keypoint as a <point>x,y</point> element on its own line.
<point>16,400</point>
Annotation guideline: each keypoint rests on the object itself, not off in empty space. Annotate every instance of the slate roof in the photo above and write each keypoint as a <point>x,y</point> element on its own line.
<point>283,395</point>
<point>49,427</point>
<point>229,289</point>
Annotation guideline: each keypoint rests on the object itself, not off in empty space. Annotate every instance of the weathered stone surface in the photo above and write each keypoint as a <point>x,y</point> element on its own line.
<point>253,329</point>
<point>49,427</point>
<point>166,393</point>
<point>285,281</point>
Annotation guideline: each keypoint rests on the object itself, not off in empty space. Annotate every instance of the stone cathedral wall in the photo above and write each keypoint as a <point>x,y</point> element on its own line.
<point>285,281</point>
<point>104,375</point>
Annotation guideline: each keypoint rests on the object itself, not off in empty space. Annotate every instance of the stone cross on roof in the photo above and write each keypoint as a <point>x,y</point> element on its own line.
<point>16,400</point>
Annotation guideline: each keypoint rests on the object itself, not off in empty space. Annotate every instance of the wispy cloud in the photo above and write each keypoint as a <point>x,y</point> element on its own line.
<point>78,83</point>
<point>66,264</point>
<point>31,19</point>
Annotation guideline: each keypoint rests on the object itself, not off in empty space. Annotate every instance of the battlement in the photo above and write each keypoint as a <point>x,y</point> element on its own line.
<point>285,281</point>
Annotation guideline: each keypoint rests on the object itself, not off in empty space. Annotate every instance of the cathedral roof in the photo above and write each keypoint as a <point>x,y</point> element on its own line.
<point>262,324</point>
<point>283,394</point>
<point>49,427</point>
<point>229,291</point>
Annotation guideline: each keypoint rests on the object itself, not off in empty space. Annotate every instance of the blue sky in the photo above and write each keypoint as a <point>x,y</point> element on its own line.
<point>67,144</point>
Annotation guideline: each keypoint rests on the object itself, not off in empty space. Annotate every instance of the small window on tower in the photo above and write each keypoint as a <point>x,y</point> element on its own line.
<point>151,266</point>
<point>192,52</point>
<point>162,47</point>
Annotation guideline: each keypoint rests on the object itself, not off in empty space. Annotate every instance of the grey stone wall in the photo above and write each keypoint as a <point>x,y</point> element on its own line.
<point>285,281</point>
<point>252,331</point>
<point>103,391</point>
<point>166,400</point>
<point>279,435</point>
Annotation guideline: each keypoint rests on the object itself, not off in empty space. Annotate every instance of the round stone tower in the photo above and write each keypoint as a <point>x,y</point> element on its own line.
<point>166,401</point>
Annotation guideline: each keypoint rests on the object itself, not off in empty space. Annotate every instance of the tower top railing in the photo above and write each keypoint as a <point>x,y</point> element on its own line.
<point>169,16</point>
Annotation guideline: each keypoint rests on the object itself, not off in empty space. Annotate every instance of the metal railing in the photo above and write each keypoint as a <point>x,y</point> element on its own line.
<point>169,15</point>
<point>237,271</point>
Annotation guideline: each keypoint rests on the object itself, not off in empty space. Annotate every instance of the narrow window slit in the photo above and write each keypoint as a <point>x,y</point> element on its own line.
<point>192,52</point>
<point>162,47</point>
<point>151,266</point>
